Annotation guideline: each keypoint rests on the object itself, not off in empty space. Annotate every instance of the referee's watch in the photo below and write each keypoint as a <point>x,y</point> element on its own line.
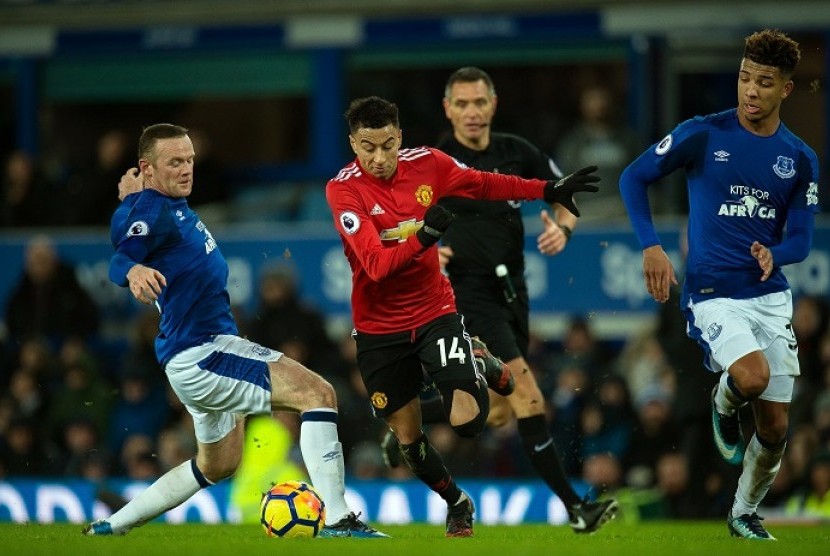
<point>567,231</point>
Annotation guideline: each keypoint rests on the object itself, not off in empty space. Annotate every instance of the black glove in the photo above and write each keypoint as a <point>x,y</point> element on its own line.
<point>436,221</point>
<point>562,191</point>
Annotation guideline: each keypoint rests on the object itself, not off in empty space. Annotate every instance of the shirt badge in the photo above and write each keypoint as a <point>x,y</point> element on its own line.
<point>138,228</point>
<point>663,146</point>
<point>784,167</point>
<point>350,222</point>
<point>424,195</point>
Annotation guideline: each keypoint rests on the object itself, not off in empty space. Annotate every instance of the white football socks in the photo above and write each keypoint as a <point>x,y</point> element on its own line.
<point>726,401</point>
<point>760,467</point>
<point>323,456</point>
<point>169,490</point>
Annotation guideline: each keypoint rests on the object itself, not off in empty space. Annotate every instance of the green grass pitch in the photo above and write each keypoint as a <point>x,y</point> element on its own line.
<point>670,538</point>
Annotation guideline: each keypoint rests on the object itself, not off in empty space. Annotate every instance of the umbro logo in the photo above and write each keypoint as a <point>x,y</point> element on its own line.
<point>376,210</point>
<point>721,156</point>
<point>330,456</point>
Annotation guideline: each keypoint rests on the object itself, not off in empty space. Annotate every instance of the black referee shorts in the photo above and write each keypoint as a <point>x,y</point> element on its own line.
<point>501,325</point>
<point>393,365</point>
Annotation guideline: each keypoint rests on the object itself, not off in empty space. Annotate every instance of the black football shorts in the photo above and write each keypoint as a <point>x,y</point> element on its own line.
<point>393,365</point>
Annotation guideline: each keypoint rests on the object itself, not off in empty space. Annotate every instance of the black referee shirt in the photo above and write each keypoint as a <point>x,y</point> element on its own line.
<point>488,233</point>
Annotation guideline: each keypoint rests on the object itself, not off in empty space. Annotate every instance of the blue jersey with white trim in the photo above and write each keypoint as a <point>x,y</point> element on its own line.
<point>741,187</point>
<point>165,234</point>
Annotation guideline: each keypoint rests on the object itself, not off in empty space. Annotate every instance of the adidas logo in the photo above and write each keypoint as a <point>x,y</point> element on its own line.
<point>376,210</point>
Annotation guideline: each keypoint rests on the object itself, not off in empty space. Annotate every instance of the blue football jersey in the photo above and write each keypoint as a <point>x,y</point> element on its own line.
<point>165,234</point>
<point>741,189</point>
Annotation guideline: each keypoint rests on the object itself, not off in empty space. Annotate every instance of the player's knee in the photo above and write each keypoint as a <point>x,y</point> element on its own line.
<point>751,375</point>
<point>473,427</point>
<point>474,417</point>
<point>753,385</point>
<point>309,391</point>
<point>324,395</point>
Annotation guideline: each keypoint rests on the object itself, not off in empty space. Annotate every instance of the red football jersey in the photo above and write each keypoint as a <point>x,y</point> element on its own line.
<point>397,285</point>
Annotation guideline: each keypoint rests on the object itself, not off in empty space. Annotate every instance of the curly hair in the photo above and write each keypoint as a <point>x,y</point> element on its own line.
<point>772,47</point>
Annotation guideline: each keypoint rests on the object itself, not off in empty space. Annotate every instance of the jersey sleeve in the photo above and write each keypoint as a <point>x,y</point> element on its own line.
<point>804,204</point>
<point>805,195</point>
<point>135,234</point>
<point>354,226</point>
<point>676,150</point>
<point>459,180</point>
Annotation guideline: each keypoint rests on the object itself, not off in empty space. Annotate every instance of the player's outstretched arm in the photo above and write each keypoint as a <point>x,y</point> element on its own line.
<point>562,191</point>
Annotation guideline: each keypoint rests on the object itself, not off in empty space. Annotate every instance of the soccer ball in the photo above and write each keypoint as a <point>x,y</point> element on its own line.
<point>292,509</point>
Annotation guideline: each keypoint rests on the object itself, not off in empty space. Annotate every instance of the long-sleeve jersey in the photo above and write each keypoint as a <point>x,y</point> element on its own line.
<point>488,233</point>
<point>396,283</point>
<point>165,234</point>
<point>741,188</point>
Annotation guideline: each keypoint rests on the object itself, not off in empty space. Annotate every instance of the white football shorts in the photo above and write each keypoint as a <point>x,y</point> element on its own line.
<point>221,379</point>
<point>727,329</point>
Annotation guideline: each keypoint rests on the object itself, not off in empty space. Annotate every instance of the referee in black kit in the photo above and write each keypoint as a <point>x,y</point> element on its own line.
<point>484,256</point>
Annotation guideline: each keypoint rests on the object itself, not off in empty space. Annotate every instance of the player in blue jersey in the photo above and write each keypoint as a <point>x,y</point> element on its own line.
<point>749,178</point>
<point>167,257</point>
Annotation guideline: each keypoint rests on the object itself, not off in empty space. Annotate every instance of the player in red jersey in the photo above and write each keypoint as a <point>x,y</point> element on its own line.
<point>385,208</point>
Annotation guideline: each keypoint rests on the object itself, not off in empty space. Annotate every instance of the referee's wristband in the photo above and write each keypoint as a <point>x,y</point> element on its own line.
<point>567,231</point>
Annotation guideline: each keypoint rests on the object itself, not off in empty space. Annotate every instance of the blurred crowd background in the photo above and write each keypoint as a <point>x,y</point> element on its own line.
<point>263,97</point>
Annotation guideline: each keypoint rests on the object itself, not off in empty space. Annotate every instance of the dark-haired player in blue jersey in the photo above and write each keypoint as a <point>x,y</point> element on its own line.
<point>748,176</point>
<point>167,257</point>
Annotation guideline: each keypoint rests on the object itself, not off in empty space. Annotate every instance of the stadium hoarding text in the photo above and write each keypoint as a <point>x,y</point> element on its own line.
<point>506,502</point>
<point>599,273</point>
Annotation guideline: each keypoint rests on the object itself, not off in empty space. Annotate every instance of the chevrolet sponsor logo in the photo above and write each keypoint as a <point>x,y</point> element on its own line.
<point>402,231</point>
